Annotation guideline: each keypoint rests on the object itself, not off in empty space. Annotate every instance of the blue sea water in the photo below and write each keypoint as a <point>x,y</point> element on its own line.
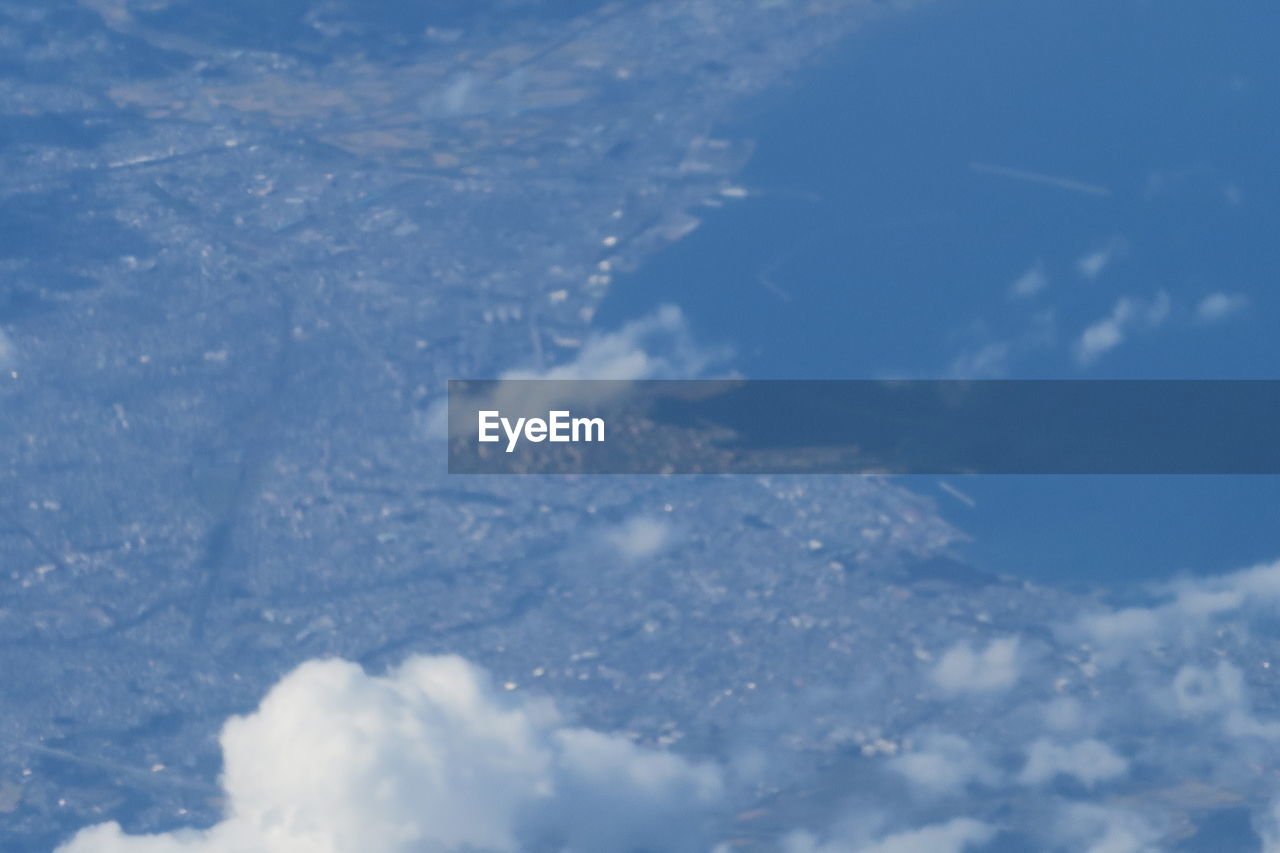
<point>899,192</point>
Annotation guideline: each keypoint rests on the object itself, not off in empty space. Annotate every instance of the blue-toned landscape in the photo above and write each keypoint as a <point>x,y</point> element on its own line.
<point>244,608</point>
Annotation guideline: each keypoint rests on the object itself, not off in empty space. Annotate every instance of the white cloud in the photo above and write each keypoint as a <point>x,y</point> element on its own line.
<point>1108,333</point>
<point>1269,829</point>
<point>1155,312</point>
<point>1120,628</point>
<point>1062,714</point>
<point>1093,264</point>
<point>1089,761</point>
<point>992,358</point>
<point>1029,283</point>
<point>1199,691</point>
<point>657,346</point>
<point>427,759</point>
<point>1105,829</point>
<point>1219,306</point>
<point>1191,612</point>
<point>962,669</point>
<point>1220,692</point>
<point>953,836</point>
<point>1104,335</point>
<point>1118,634</point>
<point>1186,610</point>
<point>988,360</point>
<point>1258,584</point>
<point>639,537</point>
<point>6,350</point>
<point>943,764</point>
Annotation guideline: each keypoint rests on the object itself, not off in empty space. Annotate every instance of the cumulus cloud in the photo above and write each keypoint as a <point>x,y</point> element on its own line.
<point>991,359</point>
<point>1062,714</point>
<point>1219,306</point>
<point>943,764</point>
<point>639,537</point>
<point>1092,264</point>
<point>1088,761</point>
<point>1220,692</point>
<point>1105,829</point>
<point>429,758</point>
<point>1128,627</point>
<point>1102,336</point>
<point>1199,691</point>
<point>954,836</point>
<point>1184,611</point>
<point>1135,726</point>
<point>1029,283</point>
<point>994,668</point>
<point>1269,829</point>
<point>657,346</point>
<point>1108,333</point>
<point>1258,584</point>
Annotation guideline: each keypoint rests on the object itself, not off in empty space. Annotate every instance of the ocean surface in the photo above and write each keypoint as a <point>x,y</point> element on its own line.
<point>1050,168</point>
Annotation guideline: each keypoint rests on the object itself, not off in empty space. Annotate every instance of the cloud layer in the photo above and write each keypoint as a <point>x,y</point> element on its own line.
<point>1219,306</point>
<point>1093,264</point>
<point>1104,729</point>
<point>659,345</point>
<point>954,836</point>
<point>429,758</point>
<point>1127,314</point>
<point>993,668</point>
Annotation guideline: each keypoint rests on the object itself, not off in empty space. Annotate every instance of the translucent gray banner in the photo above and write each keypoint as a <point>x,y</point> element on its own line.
<point>864,427</point>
